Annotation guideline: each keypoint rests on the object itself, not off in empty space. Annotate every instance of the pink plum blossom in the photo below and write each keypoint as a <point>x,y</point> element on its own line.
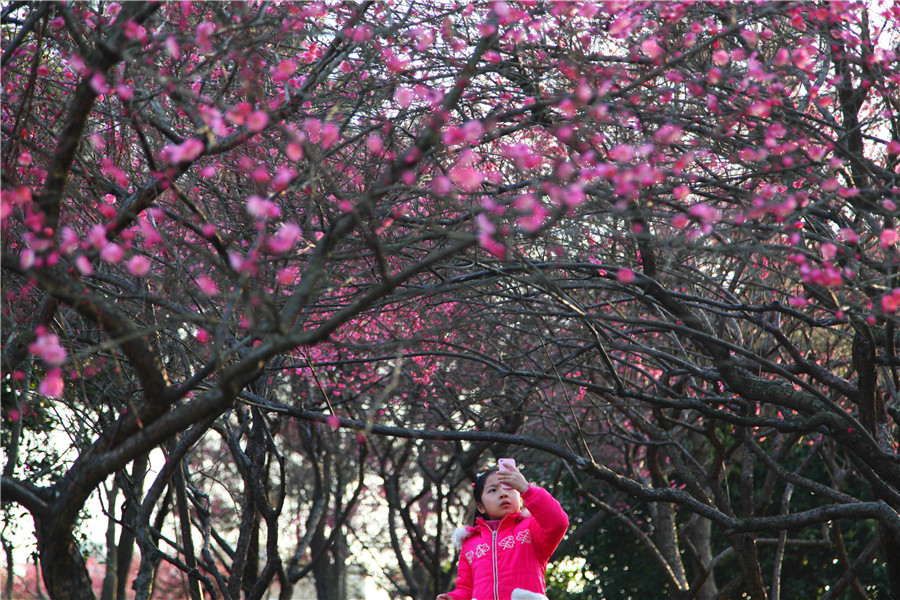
<point>680,221</point>
<point>124,92</point>
<point>262,208</point>
<point>98,84</point>
<point>313,130</point>
<point>187,151</point>
<point>148,231</point>
<point>330,134</point>
<point>111,170</point>
<point>467,178</point>
<point>139,265</point>
<point>782,57</point>
<point>68,240</point>
<point>570,196</point>
<point>207,285</point>
<point>285,238</point>
<point>404,97</point>
<point>625,276</point>
<point>294,151</point>
<point>48,347</point>
<point>704,213</point>
<point>442,185</point>
<point>283,177</point>
<point>472,131</point>
<point>622,25</point>
<point>522,156</point>
<point>486,239</point>
<point>849,235</point>
<point>84,265</point>
<point>891,301</point>
<point>172,47</point>
<point>651,48</point>
<point>28,258</point>
<point>830,185</point>
<point>204,32</point>
<point>52,385</point>
<point>260,175</point>
<point>500,8</point>
<point>668,134</point>
<point>532,213</point>
<point>111,253</point>
<point>798,301</point>
<point>257,120</point>
<point>622,153</point>
<point>826,275</point>
<point>284,70</point>
<point>361,33</point>
<point>375,144</point>
<point>750,37</point>
<point>287,275</point>
<point>239,113</point>
<point>453,136</point>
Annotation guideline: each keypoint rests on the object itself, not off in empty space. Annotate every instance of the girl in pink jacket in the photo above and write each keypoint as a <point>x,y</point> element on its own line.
<point>504,556</point>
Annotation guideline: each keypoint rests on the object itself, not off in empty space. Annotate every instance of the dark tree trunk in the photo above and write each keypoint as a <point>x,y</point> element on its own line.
<point>890,550</point>
<point>63,568</point>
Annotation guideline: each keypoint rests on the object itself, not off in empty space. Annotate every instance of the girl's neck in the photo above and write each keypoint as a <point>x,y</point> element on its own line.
<point>492,523</point>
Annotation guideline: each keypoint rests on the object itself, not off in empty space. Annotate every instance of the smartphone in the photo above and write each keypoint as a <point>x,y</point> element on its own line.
<point>506,464</point>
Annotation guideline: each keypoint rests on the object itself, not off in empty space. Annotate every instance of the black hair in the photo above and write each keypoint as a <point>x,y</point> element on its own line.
<point>478,490</point>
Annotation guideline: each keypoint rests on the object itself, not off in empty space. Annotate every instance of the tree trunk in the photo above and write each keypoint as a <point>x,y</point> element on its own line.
<point>700,536</point>
<point>665,531</point>
<point>8,588</point>
<point>63,568</point>
<point>890,550</point>
<point>110,579</point>
<point>133,495</point>
<point>748,558</point>
<point>331,571</point>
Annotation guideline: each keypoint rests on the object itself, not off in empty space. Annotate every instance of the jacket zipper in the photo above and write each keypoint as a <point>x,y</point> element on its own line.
<point>496,566</point>
<point>494,553</point>
<point>494,562</point>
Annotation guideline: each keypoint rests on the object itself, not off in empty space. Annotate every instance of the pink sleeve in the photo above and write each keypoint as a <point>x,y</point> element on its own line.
<point>463,589</point>
<point>552,521</point>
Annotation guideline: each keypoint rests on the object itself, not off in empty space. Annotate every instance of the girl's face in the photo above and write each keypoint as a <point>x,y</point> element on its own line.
<point>497,502</point>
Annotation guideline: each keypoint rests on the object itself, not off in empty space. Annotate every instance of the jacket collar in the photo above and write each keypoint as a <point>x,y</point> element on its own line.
<point>461,534</point>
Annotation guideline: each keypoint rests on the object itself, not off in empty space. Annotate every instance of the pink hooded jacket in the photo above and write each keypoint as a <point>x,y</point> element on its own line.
<point>509,563</point>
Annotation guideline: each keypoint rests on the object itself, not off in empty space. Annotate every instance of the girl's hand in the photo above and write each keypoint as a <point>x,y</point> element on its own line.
<point>514,479</point>
<point>444,597</point>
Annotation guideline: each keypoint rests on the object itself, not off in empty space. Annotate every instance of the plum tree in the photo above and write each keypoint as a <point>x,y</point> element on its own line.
<point>327,256</point>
